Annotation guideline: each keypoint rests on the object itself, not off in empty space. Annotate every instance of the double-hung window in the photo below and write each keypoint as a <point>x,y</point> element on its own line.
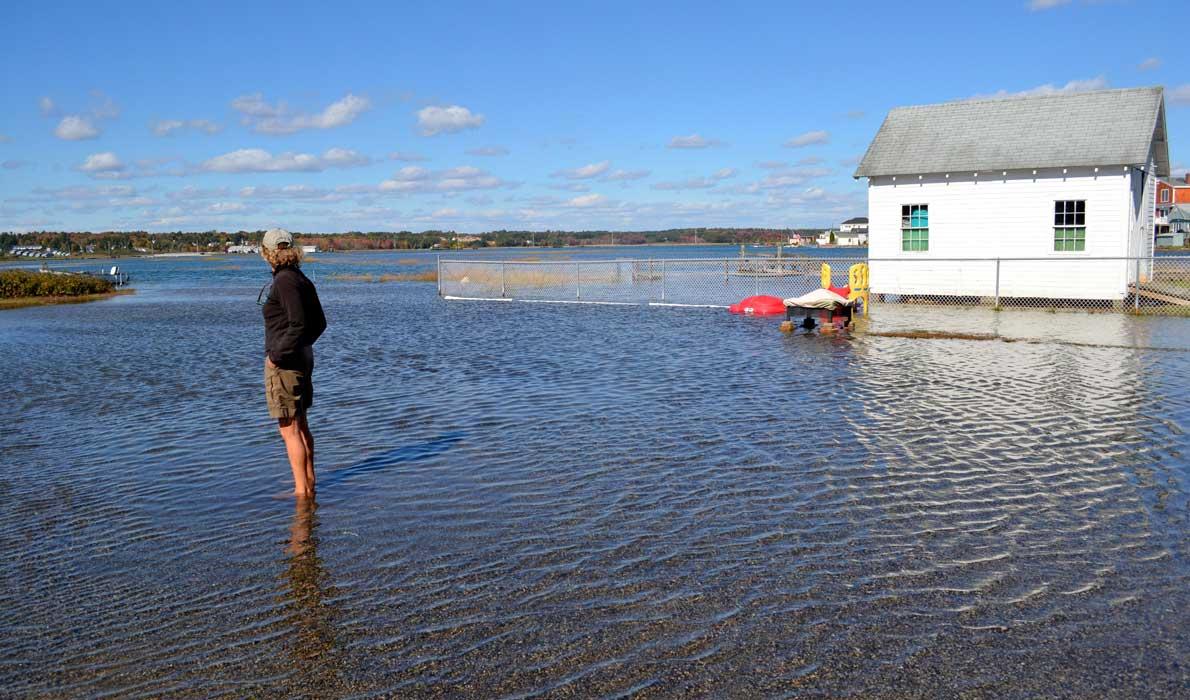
<point>1070,225</point>
<point>915,227</point>
<point>1164,196</point>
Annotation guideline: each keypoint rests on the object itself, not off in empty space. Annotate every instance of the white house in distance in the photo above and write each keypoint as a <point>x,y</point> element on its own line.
<point>859,223</point>
<point>1058,179</point>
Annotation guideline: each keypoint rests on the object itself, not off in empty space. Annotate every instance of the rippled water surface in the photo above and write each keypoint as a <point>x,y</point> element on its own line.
<point>522,499</point>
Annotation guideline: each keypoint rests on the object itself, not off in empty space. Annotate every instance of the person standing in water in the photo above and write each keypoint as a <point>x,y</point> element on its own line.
<point>293,320</point>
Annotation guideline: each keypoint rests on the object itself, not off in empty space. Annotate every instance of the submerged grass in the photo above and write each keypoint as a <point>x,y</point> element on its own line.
<point>426,276</point>
<point>935,335</point>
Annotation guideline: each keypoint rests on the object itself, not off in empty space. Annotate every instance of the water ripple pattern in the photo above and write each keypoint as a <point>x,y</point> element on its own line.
<point>557,501</point>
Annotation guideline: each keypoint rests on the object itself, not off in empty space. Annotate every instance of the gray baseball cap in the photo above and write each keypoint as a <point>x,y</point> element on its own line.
<point>276,238</point>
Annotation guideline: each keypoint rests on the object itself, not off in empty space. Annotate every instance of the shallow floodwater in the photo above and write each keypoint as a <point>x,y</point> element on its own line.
<point>524,499</point>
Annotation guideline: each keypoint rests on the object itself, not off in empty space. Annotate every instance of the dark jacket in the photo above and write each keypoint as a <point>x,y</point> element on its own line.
<point>293,318</point>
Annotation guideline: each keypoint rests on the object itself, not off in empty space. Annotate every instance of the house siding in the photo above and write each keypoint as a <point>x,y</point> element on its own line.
<point>995,215</point>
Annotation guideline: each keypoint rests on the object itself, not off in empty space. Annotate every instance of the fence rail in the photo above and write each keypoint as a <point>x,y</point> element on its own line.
<point>1158,285</point>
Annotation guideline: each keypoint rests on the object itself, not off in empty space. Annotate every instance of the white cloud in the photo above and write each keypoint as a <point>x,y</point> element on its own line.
<point>809,138</point>
<point>165,127</point>
<point>1037,5</point>
<point>772,164</point>
<point>1150,63</point>
<point>626,175</point>
<point>47,107</point>
<point>582,173</point>
<point>76,128</point>
<point>265,118</point>
<point>724,173</point>
<point>406,156</point>
<point>106,162</point>
<point>488,151</point>
<point>693,141</point>
<point>586,200</point>
<point>810,160</point>
<point>258,160</point>
<point>1179,95</point>
<point>432,121</point>
<point>1096,83</point>
<point>445,212</point>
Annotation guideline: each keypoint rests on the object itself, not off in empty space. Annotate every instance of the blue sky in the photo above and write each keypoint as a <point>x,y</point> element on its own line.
<point>476,116</point>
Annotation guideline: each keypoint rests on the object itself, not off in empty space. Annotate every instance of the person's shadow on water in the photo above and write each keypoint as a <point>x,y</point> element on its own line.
<point>404,454</point>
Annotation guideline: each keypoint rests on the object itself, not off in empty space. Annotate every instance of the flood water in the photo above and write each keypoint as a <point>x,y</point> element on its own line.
<point>524,500</point>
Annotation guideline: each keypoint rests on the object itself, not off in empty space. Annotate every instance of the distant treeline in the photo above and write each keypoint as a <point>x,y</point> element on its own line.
<point>128,242</point>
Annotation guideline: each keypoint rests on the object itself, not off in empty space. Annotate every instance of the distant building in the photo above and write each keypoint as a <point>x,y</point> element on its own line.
<point>309,249</point>
<point>859,223</point>
<point>823,238</point>
<point>246,249</point>
<point>1060,177</point>
<point>852,238</point>
<point>1177,230</point>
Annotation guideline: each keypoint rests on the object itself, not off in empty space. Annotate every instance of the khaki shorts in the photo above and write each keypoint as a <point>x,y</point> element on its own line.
<point>290,392</point>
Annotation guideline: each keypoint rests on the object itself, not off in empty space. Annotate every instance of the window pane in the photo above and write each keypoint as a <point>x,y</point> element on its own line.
<point>1080,219</point>
<point>905,210</point>
<point>1058,207</point>
<point>1080,206</point>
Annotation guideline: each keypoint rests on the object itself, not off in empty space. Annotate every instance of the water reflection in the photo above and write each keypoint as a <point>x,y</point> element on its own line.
<point>316,658</point>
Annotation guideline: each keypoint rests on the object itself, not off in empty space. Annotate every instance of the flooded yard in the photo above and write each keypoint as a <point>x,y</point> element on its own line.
<point>534,499</point>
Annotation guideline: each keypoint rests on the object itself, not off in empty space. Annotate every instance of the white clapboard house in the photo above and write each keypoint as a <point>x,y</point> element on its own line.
<point>1064,180</point>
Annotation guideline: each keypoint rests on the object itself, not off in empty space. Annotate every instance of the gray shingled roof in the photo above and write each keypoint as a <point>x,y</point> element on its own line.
<point>1104,127</point>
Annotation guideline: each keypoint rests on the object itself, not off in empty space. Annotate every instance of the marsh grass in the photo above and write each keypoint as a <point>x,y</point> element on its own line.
<point>17,284</point>
<point>22,302</point>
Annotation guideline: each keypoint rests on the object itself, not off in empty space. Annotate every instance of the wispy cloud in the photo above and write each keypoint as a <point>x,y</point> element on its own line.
<point>693,141</point>
<point>587,200</point>
<point>809,138</point>
<point>627,175</point>
<point>166,127</point>
<point>584,172</point>
<point>1151,63</point>
<point>411,179</point>
<point>1179,95</point>
<point>697,183</point>
<point>1038,5</point>
<point>432,121</point>
<point>258,160</point>
<point>266,118</point>
<point>5,138</point>
<point>1096,83</point>
<point>47,106</point>
<point>488,151</point>
<point>406,156</point>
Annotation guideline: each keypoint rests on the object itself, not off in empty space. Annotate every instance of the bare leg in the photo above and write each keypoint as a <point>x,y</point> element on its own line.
<point>295,447</point>
<point>308,440</point>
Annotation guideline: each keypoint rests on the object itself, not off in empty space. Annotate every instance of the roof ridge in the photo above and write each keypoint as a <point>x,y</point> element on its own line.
<point>1017,98</point>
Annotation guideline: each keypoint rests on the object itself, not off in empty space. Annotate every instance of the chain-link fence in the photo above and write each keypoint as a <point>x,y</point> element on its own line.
<point>1146,285</point>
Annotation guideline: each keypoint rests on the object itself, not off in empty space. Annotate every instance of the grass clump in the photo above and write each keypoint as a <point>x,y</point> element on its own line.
<point>16,284</point>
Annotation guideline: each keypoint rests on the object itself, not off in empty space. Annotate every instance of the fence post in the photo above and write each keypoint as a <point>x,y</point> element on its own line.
<point>502,285</point>
<point>997,283</point>
<point>756,279</point>
<point>578,281</point>
<point>1136,287</point>
<point>663,280</point>
<point>439,275</point>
